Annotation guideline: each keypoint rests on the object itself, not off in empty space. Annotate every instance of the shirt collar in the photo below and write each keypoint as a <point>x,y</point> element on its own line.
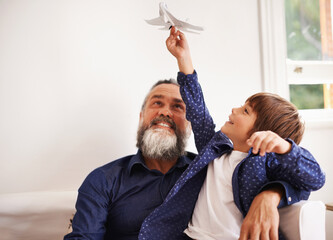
<point>183,161</point>
<point>137,159</point>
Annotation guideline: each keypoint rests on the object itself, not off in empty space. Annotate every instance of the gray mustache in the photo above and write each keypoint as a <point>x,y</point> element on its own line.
<point>163,119</point>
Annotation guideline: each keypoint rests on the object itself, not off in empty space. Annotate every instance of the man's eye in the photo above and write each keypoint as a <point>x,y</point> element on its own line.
<point>246,111</point>
<point>157,103</point>
<point>179,106</point>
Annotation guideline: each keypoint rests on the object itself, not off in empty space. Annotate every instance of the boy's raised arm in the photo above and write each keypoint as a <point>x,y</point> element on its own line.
<point>196,111</point>
<point>178,47</point>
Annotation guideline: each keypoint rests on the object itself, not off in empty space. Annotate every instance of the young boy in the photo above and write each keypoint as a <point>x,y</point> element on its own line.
<point>264,133</point>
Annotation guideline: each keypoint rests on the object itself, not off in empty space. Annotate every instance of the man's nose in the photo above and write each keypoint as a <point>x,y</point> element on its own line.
<point>166,112</point>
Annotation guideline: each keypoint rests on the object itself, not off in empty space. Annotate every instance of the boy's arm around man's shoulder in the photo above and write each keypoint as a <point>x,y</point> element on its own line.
<point>298,167</point>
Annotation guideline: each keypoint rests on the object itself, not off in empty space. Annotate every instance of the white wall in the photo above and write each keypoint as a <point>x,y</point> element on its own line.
<point>318,139</point>
<point>73,75</point>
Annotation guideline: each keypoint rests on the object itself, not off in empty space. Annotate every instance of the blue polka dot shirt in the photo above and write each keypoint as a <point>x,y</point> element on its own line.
<point>297,171</point>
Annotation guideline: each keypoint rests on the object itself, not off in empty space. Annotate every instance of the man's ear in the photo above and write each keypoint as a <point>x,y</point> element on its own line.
<point>141,118</point>
<point>188,129</point>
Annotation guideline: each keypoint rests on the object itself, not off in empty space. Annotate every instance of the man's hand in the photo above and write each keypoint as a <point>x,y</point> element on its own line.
<point>178,47</point>
<point>268,141</point>
<point>262,220</point>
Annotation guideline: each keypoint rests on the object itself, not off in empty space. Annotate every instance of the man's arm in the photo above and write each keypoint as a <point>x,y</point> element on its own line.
<point>262,220</point>
<point>89,220</point>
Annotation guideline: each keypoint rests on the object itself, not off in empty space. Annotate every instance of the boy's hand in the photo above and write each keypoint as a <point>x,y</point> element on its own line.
<point>178,47</point>
<point>177,44</point>
<point>268,141</point>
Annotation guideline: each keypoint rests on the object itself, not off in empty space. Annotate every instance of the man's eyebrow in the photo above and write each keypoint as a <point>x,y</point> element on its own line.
<point>158,96</point>
<point>177,100</point>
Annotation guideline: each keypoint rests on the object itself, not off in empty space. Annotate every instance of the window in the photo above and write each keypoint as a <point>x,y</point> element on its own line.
<point>309,53</point>
<point>297,55</point>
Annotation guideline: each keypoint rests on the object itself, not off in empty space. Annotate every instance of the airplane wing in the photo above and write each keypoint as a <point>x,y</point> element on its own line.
<point>190,26</point>
<point>181,24</point>
<point>186,30</point>
<point>167,27</point>
<point>159,21</point>
<point>166,19</point>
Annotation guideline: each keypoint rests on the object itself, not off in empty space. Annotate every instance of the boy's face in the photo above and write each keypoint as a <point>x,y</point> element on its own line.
<point>241,122</point>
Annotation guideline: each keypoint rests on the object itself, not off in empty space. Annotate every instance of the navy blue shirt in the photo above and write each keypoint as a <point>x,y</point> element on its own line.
<point>115,199</point>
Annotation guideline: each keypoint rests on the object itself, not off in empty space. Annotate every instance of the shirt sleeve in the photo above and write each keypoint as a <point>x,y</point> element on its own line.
<point>196,110</point>
<point>297,167</point>
<point>291,194</point>
<point>91,209</point>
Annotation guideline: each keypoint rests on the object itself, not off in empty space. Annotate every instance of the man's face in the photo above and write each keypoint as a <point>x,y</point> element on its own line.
<point>165,100</point>
<point>163,129</point>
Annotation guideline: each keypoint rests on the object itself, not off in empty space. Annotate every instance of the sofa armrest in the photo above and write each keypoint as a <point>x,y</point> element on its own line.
<point>36,215</point>
<point>304,220</point>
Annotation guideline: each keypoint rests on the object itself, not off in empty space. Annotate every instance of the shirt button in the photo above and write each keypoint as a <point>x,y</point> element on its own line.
<point>289,199</point>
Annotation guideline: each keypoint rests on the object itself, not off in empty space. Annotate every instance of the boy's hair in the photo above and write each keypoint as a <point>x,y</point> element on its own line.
<point>278,115</point>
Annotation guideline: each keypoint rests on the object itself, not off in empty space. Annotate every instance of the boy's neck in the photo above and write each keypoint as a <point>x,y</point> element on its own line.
<point>242,147</point>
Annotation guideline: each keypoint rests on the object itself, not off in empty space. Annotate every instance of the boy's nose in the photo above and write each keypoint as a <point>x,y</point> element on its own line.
<point>235,110</point>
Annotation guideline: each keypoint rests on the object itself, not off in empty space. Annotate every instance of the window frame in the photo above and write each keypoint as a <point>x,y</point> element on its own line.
<point>278,72</point>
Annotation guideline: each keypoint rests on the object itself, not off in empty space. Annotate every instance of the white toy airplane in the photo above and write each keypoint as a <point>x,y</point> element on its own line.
<point>167,20</point>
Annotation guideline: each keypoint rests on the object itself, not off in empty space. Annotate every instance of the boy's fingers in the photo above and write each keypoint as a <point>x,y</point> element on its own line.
<point>254,136</point>
<point>181,35</point>
<point>274,141</point>
<point>266,144</point>
<point>256,144</point>
<point>250,140</point>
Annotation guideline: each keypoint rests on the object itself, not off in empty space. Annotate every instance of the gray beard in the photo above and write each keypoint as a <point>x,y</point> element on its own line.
<point>161,144</point>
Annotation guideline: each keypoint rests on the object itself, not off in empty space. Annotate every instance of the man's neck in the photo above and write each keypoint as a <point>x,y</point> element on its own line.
<point>160,165</point>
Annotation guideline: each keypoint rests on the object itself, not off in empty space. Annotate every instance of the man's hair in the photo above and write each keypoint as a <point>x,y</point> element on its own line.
<point>278,115</point>
<point>165,81</point>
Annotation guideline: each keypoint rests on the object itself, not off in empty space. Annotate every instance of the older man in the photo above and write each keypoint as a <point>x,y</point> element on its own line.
<point>115,199</point>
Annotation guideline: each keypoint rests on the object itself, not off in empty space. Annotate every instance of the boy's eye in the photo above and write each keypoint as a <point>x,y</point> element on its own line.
<point>245,109</point>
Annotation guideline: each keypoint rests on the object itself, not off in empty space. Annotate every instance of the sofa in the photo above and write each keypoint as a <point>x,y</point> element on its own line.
<point>46,215</point>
